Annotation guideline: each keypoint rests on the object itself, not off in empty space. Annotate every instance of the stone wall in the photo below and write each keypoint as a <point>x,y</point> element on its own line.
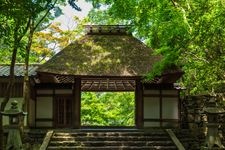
<point>195,119</point>
<point>192,118</point>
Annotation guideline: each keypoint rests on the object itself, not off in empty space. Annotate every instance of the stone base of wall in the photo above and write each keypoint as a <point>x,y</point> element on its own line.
<point>32,138</point>
<point>194,119</point>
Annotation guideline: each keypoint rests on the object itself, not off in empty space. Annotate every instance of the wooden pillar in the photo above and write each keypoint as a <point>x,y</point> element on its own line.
<point>139,104</point>
<point>76,103</point>
<point>35,109</point>
<point>32,108</point>
<point>160,106</point>
<point>179,108</point>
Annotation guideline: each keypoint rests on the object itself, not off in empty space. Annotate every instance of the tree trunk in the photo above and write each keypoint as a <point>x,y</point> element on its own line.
<point>8,92</point>
<point>26,85</point>
<point>17,36</point>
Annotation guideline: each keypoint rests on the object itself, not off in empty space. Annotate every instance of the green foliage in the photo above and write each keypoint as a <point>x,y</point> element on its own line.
<point>97,17</point>
<point>107,109</point>
<point>11,30</point>
<point>26,15</point>
<point>48,42</point>
<point>204,58</point>
<point>17,16</point>
<point>186,33</point>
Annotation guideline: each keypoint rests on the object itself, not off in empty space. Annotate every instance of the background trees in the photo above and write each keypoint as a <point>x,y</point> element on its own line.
<point>187,33</point>
<point>19,20</point>
<point>107,108</point>
<point>14,26</point>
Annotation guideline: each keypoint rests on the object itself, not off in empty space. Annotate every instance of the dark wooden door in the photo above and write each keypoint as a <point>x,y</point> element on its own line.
<point>63,111</point>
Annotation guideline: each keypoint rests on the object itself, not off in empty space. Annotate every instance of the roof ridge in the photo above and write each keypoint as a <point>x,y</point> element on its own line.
<point>108,29</point>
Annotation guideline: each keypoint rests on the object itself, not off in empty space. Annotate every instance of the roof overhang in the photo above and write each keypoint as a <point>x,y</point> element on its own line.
<point>91,83</point>
<point>106,83</point>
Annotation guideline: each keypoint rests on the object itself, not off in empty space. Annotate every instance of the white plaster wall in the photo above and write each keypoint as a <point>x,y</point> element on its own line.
<point>20,101</point>
<point>151,124</point>
<point>44,124</point>
<point>151,108</point>
<point>169,108</point>
<point>44,107</point>
<point>170,124</point>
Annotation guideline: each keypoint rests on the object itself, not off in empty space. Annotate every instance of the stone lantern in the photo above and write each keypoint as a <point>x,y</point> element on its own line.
<point>15,117</point>
<point>212,110</point>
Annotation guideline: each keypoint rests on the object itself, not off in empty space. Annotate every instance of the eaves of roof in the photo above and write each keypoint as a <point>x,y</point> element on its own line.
<point>18,70</point>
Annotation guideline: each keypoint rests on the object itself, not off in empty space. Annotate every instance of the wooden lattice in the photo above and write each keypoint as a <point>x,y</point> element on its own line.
<point>64,79</point>
<point>107,85</point>
<point>92,84</point>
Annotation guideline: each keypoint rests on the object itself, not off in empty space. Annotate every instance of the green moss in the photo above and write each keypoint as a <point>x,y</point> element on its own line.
<point>103,55</point>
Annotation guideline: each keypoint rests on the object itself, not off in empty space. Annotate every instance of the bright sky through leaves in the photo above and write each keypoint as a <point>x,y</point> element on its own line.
<point>66,20</point>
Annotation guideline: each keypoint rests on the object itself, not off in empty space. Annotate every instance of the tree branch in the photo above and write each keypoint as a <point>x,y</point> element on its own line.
<point>174,3</point>
<point>25,30</point>
<point>35,27</point>
<point>72,3</point>
<point>196,57</point>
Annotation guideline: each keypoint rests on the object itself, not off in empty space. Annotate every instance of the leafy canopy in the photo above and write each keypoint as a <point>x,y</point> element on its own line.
<point>107,108</point>
<point>18,17</point>
<point>187,33</point>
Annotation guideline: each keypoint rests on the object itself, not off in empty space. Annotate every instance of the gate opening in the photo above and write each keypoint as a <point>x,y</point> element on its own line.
<point>108,109</point>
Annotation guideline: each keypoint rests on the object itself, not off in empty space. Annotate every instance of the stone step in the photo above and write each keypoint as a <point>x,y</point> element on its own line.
<point>112,148</point>
<point>109,134</point>
<point>34,136</point>
<point>95,140</point>
<point>115,138</point>
<point>112,143</point>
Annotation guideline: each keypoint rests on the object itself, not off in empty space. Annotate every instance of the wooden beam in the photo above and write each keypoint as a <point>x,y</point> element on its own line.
<point>107,84</point>
<point>131,84</point>
<point>114,82</point>
<point>110,77</point>
<point>108,90</point>
<point>160,108</point>
<point>123,84</point>
<point>83,83</point>
<point>35,108</point>
<point>77,103</point>
<point>99,86</point>
<point>139,104</point>
<point>91,85</point>
<point>179,107</point>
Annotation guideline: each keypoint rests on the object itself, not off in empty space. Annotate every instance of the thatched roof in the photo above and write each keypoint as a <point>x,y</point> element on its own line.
<point>102,55</point>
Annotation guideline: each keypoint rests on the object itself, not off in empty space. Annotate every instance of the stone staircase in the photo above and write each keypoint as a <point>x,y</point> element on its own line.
<point>111,140</point>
